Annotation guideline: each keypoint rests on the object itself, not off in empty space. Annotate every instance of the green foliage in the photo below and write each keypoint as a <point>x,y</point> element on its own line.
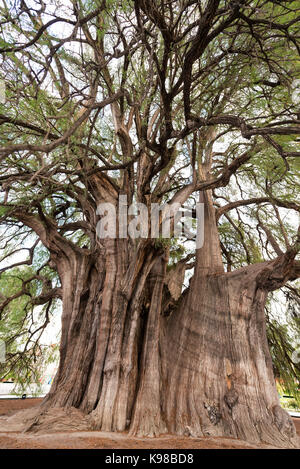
<point>283,341</point>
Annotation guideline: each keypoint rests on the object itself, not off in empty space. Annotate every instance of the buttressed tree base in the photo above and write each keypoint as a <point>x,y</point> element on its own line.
<point>165,102</point>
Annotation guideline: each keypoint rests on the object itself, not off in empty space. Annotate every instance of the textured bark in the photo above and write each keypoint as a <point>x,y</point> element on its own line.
<point>204,369</point>
<point>80,323</point>
<point>136,353</point>
<point>220,381</point>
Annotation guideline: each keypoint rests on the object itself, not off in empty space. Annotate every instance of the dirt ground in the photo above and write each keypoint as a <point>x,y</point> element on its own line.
<point>103,440</point>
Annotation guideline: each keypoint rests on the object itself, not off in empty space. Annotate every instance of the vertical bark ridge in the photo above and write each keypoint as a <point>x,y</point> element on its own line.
<point>130,350</point>
<point>104,310</point>
<point>204,370</point>
<point>104,412</point>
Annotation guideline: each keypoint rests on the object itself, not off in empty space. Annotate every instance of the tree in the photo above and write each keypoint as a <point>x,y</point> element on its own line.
<point>158,101</point>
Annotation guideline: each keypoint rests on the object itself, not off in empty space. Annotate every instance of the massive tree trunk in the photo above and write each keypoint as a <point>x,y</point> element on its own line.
<point>202,369</point>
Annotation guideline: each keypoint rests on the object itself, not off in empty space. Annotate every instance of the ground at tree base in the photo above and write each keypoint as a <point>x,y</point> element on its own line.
<point>99,440</point>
